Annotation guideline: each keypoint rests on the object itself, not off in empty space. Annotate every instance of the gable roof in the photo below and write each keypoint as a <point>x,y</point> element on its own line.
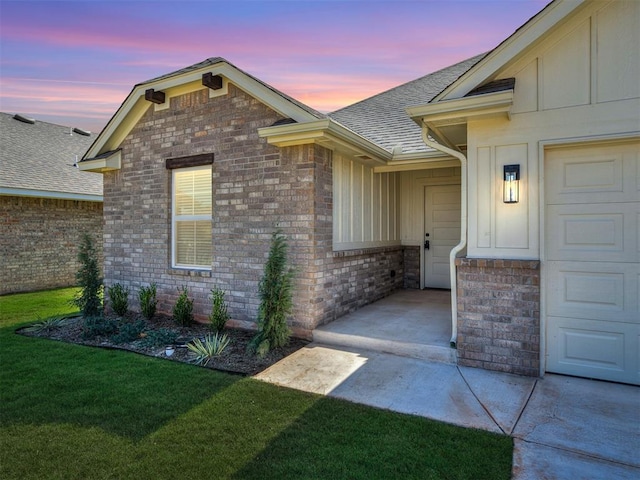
<point>383,120</point>
<point>190,79</point>
<point>523,39</point>
<point>219,60</point>
<point>37,159</point>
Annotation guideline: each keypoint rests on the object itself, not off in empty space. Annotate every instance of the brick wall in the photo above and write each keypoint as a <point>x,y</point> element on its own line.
<point>499,315</point>
<point>256,188</point>
<point>412,267</point>
<point>39,241</point>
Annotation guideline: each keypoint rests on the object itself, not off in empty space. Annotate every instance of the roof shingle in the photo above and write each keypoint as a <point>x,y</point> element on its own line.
<point>41,157</point>
<point>382,119</point>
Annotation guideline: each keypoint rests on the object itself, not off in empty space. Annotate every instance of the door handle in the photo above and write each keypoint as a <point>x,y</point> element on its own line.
<point>427,244</point>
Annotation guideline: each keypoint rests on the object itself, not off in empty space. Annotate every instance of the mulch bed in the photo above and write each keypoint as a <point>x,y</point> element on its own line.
<point>235,359</point>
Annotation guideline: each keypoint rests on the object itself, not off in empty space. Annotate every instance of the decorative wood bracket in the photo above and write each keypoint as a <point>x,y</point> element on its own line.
<point>214,82</point>
<point>152,96</point>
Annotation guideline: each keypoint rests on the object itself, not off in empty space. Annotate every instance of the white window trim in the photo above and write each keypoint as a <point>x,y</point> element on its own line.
<point>175,218</point>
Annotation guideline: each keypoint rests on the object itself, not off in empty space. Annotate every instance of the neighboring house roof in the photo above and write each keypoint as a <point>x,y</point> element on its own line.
<point>37,159</point>
<point>382,119</point>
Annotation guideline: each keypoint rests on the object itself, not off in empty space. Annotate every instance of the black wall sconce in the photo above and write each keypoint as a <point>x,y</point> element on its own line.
<point>511,193</point>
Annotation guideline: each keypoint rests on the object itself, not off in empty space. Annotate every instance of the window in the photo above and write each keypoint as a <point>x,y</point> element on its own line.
<point>191,222</point>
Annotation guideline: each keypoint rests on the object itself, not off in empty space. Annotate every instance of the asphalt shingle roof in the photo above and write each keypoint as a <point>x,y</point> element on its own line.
<point>382,119</point>
<point>41,157</point>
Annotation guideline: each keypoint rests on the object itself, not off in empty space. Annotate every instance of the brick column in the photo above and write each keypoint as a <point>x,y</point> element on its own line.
<point>499,315</point>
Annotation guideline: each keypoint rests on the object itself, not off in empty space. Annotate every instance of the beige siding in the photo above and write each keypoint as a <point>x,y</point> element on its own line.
<point>617,47</point>
<point>412,199</point>
<point>579,84</point>
<point>365,206</point>
<point>593,59</point>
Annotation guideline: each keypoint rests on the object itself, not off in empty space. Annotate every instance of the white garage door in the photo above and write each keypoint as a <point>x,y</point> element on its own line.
<point>591,267</point>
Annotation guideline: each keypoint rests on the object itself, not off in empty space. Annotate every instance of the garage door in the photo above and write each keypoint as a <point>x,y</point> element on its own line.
<point>591,267</point>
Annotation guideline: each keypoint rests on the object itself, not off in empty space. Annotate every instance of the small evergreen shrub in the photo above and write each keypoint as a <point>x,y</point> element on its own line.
<point>97,325</point>
<point>219,314</point>
<point>148,302</point>
<point>119,296</point>
<point>88,300</point>
<point>205,350</point>
<point>129,332</point>
<point>159,338</point>
<point>276,299</point>
<point>183,309</point>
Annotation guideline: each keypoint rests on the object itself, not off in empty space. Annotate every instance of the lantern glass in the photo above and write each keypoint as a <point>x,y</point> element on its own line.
<point>511,193</point>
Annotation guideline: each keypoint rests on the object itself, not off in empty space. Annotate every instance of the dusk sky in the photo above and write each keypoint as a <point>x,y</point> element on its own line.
<point>74,63</point>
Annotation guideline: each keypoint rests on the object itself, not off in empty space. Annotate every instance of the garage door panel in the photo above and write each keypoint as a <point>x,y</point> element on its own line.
<point>594,349</point>
<point>597,291</point>
<point>594,232</point>
<point>591,268</point>
<point>599,175</point>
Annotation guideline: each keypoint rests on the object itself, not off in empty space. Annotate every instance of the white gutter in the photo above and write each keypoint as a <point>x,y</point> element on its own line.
<point>25,192</point>
<point>463,226</point>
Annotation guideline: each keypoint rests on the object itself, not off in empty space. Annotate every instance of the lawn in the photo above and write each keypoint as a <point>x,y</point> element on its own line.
<point>69,411</point>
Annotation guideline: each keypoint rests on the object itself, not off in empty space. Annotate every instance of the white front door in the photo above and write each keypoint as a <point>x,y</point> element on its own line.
<point>592,269</point>
<point>442,232</point>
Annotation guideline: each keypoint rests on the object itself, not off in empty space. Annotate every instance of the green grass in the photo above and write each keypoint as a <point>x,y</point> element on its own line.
<point>68,411</point>
<point>27,307</point>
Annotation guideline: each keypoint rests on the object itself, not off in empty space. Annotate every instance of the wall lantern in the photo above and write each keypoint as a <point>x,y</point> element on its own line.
<point>511,184</point>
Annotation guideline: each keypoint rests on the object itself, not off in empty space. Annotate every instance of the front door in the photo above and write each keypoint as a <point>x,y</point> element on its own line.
<point>441,233</point>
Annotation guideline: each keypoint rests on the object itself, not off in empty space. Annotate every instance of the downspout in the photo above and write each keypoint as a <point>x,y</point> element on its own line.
<point>463,227</point>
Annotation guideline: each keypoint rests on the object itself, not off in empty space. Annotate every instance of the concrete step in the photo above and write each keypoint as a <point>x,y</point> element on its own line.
<point>435,353</point>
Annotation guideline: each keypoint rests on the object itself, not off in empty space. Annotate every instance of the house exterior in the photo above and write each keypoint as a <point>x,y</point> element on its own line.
<point>406,189</point>
<point>46,203</point>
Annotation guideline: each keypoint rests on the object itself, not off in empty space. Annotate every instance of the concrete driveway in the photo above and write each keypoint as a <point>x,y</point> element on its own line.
<point>563,427</point>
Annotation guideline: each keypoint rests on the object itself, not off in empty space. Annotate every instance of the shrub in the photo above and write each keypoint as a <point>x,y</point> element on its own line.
<point>47,325</point>
<point>97,325</point>
<point>88,278</point>
<point>129,332</point>
<point>276,301</point>
<point>148,302</point>
<point>205,350</point>
<point>183,309</point>
<point>219,314</point>
<point>159,338</point>
<point>119,296</point>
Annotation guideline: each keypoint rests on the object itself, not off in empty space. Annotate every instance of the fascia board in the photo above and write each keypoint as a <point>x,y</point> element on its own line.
<point>530,33</point>
<point>134,106</point>
<point>417,157</point>
<point>23,192</point>
<point>325,132</point>
<point>395,166</point>
<point>101,165</point>
<point>461,109</point>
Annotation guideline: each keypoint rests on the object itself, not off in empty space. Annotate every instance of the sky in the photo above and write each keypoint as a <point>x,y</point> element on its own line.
<point>74,63</point>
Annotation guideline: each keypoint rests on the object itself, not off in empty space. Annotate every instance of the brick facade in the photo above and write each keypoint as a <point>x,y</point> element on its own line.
<point>412,267</point>
<point>256,188</point>
<point>499,315</point>
<point>39,241</point>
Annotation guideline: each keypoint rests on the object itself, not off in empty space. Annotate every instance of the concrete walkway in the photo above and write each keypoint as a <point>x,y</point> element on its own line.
<point>563,427</point>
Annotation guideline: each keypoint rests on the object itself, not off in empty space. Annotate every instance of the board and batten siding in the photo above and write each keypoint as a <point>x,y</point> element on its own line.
<point>412,185</point>
<point>578,85</point>
<point>365,206</point>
